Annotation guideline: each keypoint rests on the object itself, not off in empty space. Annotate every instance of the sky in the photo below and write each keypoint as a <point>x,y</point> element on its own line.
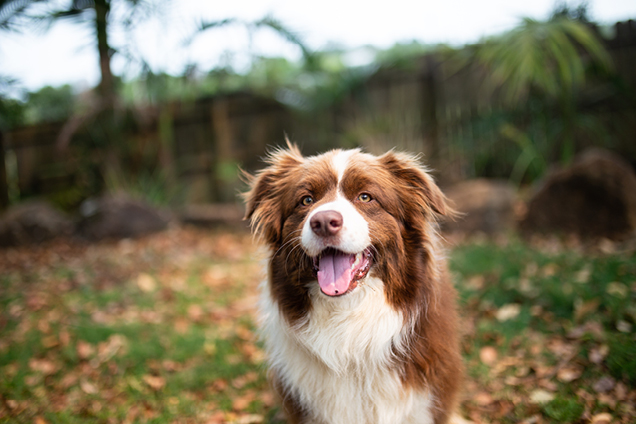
<point>65,53</point>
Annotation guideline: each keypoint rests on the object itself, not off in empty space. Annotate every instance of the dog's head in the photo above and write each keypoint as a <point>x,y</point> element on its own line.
<point>342,215</point>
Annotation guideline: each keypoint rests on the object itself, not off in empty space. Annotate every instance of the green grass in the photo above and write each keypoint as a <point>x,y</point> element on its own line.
<point>567,307</point>
<point>82,340</point>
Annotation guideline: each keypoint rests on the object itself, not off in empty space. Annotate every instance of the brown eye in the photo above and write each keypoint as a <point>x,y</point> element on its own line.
<point>307,200</point>
<point>365,198</point>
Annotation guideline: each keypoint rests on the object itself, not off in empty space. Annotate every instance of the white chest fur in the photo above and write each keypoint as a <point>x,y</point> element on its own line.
<point>339,362</point>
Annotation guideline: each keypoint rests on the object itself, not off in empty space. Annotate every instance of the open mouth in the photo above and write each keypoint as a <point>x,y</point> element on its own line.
<point>339,273</point>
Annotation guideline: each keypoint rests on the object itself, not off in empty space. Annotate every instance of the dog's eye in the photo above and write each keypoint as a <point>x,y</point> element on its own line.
<point>307,200</point>
<point>365,198</point>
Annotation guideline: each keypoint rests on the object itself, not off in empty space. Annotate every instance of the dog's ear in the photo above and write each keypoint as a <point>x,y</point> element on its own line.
<point>416,181</point>
<point>268,187</point>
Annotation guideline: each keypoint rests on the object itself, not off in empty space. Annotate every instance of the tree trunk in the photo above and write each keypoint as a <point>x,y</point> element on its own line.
<point>106,86</point>
<point>110,167</point>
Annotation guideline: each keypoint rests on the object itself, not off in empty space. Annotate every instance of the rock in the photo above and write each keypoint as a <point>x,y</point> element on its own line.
<point>33,222</point>
<point>485,206</point>
<point>117,216</point>
<point>214,215</point>
<point>594,198</point>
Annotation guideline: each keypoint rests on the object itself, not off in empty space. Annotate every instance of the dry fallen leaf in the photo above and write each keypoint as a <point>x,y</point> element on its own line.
<point>604,384</point>
<point>476,282</point>
<point>156,383</point>
<point>50,342</point>
<point>195,313</point>
<point>623,326</point>
<point>115,344</point>
<point>621,391</point>
<point>458,419</point>
<point>84,350</point>
<point>88,387</point>
<point>245,333</point>
<point>216,418</point>
<point>145,282</point>
<point>549,270</point>
<point>607,399</point>
<point>488,355</point>
<point>181,325</point>
<point>44,366</point>
<point>597,354</point>
<point>508,312</point>
<point>582,308</point>
<point>602,418</point>
<point>541,396</point>
<point>249,419</point>
<point>483,399</point>
<point>39,420</point>
<point>243,380</point>
<point>583,276</point>
<point>618,290</point>
<point>242,402</point>
<point>569,374</point>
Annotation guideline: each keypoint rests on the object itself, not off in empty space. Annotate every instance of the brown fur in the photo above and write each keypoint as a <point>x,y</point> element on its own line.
<point>402,226</point>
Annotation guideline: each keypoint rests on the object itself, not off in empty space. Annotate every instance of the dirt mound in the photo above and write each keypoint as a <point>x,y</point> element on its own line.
<point>117,216</point>
<point>486,206</point>
<point>32,222</point>
<point>593,198</point>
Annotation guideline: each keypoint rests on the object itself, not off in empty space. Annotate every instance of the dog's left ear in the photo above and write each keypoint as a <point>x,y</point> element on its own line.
<point>416,180</point>
<point>264,205</point>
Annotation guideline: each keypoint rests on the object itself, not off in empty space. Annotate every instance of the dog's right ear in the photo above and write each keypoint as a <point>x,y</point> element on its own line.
<point>268,188</point>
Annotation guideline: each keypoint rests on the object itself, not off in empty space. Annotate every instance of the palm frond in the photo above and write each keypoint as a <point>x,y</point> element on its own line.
<point>11,11</point>
<point>549,56</point>
<point>203,26</point>
<point>289,35</point>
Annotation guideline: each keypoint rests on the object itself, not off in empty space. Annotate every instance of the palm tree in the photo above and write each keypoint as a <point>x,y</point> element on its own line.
<point>544,61</point>
<point>95,13</point>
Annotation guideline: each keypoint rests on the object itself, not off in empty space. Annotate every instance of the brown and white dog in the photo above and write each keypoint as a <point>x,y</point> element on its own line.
<point>358,314</point>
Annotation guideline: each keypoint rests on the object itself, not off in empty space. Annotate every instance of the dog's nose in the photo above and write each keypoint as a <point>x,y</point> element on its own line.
<point>326,223</point>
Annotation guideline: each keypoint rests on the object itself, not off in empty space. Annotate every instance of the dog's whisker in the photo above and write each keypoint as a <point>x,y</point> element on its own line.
<point>351,339</point>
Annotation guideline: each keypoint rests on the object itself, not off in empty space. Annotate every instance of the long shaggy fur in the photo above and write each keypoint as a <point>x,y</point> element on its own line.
<point>386,351</point>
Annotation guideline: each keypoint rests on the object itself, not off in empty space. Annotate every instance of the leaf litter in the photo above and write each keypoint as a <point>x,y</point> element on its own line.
<point>161,329</point>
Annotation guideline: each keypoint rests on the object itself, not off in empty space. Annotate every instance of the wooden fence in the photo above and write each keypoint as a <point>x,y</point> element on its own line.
<point>429,107</point>
<point>197,147</point>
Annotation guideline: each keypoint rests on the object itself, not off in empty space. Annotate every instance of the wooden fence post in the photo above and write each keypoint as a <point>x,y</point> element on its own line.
<point>4,187</point>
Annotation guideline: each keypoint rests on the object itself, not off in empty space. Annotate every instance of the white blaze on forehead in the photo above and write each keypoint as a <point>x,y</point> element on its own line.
<point>341,161</point>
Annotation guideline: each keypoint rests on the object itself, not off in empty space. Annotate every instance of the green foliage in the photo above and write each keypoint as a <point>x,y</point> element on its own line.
<point>542,57</point>
<point>12,113</point>
<point>14,12</point>
<point>50,104</point>
<point>621,357</point>
<point>537,76</point>
<point>403,55</point>
<point>164,325</point>
<point>563,10</point>
<point>529,277</point>
<point>152,186</point>
<point>564,410</point>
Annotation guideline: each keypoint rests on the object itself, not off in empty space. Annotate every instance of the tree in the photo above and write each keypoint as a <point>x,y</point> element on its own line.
<point>540,68</point>
<point>268,22</point>
<point>96,13</point>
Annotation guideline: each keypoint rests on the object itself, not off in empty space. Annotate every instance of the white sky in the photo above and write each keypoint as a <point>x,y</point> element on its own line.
<point>65,54</point>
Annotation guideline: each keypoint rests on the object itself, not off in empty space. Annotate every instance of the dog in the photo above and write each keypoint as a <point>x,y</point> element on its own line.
<point>358,314</point>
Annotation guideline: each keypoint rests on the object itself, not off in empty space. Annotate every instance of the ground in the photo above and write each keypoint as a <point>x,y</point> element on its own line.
<point>161,329</point>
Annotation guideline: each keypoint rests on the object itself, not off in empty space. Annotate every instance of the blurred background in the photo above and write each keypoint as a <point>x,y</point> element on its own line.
<point>168,99</point>
<point>124,122</point>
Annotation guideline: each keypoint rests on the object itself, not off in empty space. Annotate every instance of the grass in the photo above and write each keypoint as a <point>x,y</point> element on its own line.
<point>544,327</point>
<point>161,330</point>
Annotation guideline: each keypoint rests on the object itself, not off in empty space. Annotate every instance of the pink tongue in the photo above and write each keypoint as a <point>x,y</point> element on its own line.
<point>334,273</point>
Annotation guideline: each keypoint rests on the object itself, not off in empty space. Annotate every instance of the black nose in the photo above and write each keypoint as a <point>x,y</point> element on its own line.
<point>326,223</point>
